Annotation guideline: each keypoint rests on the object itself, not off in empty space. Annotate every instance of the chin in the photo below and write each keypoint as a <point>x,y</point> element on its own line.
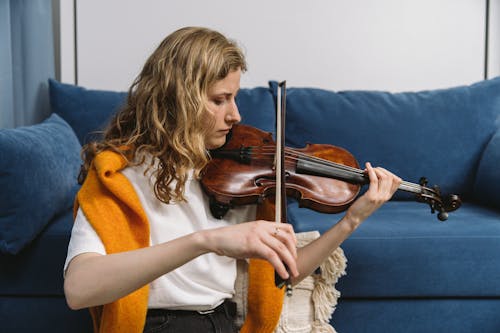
<point>215,144</point>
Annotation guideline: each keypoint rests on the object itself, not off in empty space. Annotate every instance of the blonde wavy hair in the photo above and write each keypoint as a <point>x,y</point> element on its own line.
<point>165,114</point>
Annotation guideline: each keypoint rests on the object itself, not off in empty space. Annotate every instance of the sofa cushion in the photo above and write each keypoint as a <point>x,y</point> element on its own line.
<point>44,258</point>
<point>88,111</point>
<point>402,250</point>
<point>38,178</point>
<point>418,315</point>
<point>439,134</point>
<point>487,185</point>
<point>42,314</point>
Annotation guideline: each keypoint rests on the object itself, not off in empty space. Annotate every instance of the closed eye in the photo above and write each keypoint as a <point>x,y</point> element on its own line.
<point>222,98</point>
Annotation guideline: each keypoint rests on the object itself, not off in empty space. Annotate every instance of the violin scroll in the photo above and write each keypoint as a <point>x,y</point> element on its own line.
<point>433,197</point>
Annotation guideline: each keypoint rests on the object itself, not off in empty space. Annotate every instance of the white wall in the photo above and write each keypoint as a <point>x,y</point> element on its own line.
<point>66,23</point>
<point>392,45</point>
<point>494,39</point>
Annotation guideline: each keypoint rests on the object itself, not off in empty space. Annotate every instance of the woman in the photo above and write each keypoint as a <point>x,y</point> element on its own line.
<point>145,252</point>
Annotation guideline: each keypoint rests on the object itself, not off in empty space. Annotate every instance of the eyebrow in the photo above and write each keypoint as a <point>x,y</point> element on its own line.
<point>225,93</point>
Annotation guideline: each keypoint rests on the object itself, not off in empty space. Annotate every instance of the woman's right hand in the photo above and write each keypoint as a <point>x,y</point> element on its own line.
<point>273,242</point>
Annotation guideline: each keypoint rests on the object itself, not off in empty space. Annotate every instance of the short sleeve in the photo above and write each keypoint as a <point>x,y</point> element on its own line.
<point>84,239</point>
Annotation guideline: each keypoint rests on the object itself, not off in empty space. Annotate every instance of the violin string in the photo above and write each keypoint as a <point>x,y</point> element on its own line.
<point>324,162</point>
<point>405,184</point>
<point>321,161</point>
<point>290,153</point>
<point>317,160</point>
<point>269,151</point>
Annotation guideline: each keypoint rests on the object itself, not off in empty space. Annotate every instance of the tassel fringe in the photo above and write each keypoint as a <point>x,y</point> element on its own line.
<point>317,292</point>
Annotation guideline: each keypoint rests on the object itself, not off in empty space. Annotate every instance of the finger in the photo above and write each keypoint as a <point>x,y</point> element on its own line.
<point>390,174</point>
<point>278,262</point>
<point>286,234</point>
<point>388,183</point>
<point>372,176</point>
<point>390,177</point>
<point>395,181</point>
<point>278,266</point>
<point>279,247</point>
<point>384,185</point>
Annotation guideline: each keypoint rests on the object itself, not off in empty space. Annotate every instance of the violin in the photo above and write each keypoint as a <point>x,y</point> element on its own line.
<point>322,177</point>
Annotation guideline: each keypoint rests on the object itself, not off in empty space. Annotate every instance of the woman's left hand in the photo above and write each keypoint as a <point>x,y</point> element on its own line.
<point>382,186</point>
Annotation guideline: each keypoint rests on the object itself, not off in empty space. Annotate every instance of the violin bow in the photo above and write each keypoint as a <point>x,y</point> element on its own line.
<point>280,196</point>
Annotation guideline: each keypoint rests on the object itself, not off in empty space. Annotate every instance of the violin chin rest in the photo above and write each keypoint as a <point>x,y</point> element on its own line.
<point>218,209</point>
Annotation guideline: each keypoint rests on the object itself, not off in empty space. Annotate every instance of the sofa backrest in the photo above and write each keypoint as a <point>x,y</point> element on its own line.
<point>438,134</point>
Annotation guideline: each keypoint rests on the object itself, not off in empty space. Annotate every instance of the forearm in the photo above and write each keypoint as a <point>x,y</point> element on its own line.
<point>311,256</point>
<point>383,184</point>
<point>93,279</point>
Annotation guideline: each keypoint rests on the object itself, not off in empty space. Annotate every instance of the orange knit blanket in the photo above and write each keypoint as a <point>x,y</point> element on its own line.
<point>110,203</point>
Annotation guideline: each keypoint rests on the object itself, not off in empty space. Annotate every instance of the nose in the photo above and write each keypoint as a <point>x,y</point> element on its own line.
<point>233,114</point>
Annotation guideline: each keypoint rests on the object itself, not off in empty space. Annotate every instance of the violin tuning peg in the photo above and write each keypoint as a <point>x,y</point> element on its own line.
<point>452,202</point>
<point>261,199</point>
<point>442,216</point>
<point>423,181</point>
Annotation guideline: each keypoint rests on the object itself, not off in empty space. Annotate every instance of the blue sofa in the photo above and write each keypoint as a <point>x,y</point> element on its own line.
<point>406,271</point>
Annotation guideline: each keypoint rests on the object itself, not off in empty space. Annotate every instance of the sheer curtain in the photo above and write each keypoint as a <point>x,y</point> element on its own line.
<point>26,61</point>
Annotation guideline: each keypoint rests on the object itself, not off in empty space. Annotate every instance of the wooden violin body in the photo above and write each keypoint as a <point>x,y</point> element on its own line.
<point>321,177</point>
<point>242,172</point>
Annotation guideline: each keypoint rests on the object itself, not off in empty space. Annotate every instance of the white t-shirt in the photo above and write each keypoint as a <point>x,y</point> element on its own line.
<point>200,284</point>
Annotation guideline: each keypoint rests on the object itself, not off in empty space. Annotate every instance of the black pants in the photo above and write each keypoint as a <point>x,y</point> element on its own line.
<point>219,320</point>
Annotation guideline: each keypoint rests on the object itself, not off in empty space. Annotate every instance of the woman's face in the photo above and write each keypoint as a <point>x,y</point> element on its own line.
<point>222,105</point>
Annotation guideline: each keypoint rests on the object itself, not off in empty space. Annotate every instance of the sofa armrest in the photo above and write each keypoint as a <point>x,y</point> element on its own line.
<point>487,184</point>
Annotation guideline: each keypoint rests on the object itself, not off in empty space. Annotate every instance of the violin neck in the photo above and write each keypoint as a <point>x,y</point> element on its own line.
<point>345,173</point>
